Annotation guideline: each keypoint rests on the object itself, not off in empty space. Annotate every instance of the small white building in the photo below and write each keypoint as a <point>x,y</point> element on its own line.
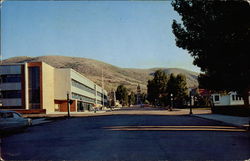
<point>232,98</point>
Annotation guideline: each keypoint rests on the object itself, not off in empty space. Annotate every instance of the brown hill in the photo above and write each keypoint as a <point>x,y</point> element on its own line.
<point>113,76</point>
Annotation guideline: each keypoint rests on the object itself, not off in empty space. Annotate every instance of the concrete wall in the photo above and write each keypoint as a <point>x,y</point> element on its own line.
<point>48,87</point>
<point>224,100</point>
<point>62,83</point>
<point>26,84</point>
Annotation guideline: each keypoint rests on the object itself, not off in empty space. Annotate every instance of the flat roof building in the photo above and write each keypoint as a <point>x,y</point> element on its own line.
<point>37,86</point>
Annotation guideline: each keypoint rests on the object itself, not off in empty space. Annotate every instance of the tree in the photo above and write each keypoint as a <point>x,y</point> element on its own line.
<point>122,94</point>
<point>177,86</point>
<point>217,35</point>
<point>131,98</point>
<point>144,98</point>
<point>157,87</point>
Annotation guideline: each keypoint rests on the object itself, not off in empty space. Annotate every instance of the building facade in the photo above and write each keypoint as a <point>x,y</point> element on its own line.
<point>37,86</point>
<point>232,98</point>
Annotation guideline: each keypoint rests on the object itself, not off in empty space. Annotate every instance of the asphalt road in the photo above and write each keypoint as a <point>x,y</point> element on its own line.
<point>129,137</point>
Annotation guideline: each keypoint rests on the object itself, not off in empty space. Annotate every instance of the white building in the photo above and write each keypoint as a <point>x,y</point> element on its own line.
<point>232,98</point>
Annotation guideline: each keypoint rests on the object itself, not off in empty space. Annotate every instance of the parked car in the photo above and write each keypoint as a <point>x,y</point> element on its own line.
<point>11,120</point>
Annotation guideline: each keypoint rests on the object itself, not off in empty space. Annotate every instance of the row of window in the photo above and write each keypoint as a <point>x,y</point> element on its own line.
<point>11,78</point>
<point>99,102</point>
<point>82,86</point>
<point>236,98</point>
<point>11,94</point>
<point>82,106</point>
<point>101,95</point>
<point>83,98</point>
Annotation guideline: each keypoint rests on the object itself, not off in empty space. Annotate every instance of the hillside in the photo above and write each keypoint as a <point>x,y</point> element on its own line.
<point>113,76</point>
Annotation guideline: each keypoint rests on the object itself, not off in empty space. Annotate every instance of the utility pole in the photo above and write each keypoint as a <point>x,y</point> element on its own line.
<point>68,104</point>
<point>1,55</point>
<point>138,95</point>
<point>102,91</point>
<point>114,97</point>
<point>191,101</point>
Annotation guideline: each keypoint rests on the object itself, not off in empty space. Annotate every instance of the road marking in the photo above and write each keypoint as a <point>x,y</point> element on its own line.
<point>175,128</point>
<point>224,127</point>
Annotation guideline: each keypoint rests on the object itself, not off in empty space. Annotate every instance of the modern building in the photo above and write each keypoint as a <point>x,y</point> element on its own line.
<point>40,88</point>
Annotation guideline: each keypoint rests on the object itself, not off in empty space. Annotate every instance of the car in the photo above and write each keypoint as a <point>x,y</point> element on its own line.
<point>11,120</point>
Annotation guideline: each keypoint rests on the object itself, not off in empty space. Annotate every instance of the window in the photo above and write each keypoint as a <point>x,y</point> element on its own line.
<point>82,86</point>
<point>233,97</point>
<point>9,115</point>
<point>83,98</point>
<point>238,97</point>
<point>11,94</point>
<point>11,78</point>
<point>6,115</point>
<point>99,102</point>
<point>99,94</point>
<point>216,98</point>
<point>15,115</point>
<point>34,87</point>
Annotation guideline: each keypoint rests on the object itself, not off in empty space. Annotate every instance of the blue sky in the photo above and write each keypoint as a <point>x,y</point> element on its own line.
<point>130,34</point>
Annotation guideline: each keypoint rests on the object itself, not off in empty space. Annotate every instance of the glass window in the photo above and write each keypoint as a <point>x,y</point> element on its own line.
<point>11,94</point>
<point>34,87</point>
<point>9,115</point>
<point>233,97</point>
<point>99,94</point>
<point>83,98</point>
<point>216,98</point>
<point>82,86</point>
<point>12,78</point>
<point>15,115</point>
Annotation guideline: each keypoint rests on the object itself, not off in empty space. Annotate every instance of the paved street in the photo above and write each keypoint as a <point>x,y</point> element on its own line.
<point>129,137</point>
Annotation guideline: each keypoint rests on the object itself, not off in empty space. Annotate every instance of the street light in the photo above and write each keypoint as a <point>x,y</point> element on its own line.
<point>172,101</point>
<point>191,112</point>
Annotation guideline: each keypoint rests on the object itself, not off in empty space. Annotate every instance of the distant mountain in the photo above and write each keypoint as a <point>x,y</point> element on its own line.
<point>113,75</point>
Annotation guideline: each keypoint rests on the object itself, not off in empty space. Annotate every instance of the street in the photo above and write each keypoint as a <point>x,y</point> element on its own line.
<point>129,137</point>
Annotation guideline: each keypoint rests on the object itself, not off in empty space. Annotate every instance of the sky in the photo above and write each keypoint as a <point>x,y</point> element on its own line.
<point>128,34</point>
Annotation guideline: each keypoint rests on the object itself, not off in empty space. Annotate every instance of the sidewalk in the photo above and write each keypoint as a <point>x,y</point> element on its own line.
<point>242,122</point>
<point>63,114</point>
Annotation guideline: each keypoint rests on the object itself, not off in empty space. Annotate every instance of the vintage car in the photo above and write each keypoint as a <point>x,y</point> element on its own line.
<point>11,120</point>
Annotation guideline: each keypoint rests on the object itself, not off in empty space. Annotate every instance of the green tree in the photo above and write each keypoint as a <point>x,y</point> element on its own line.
<point>177,86</point>
<point>156,87</point>
<point>122,94</point>
<point>143,98</point>
<point>217,35</point>
<point>131,98</point>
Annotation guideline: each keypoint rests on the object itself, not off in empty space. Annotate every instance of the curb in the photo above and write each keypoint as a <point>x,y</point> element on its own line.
<point>230,124</point>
